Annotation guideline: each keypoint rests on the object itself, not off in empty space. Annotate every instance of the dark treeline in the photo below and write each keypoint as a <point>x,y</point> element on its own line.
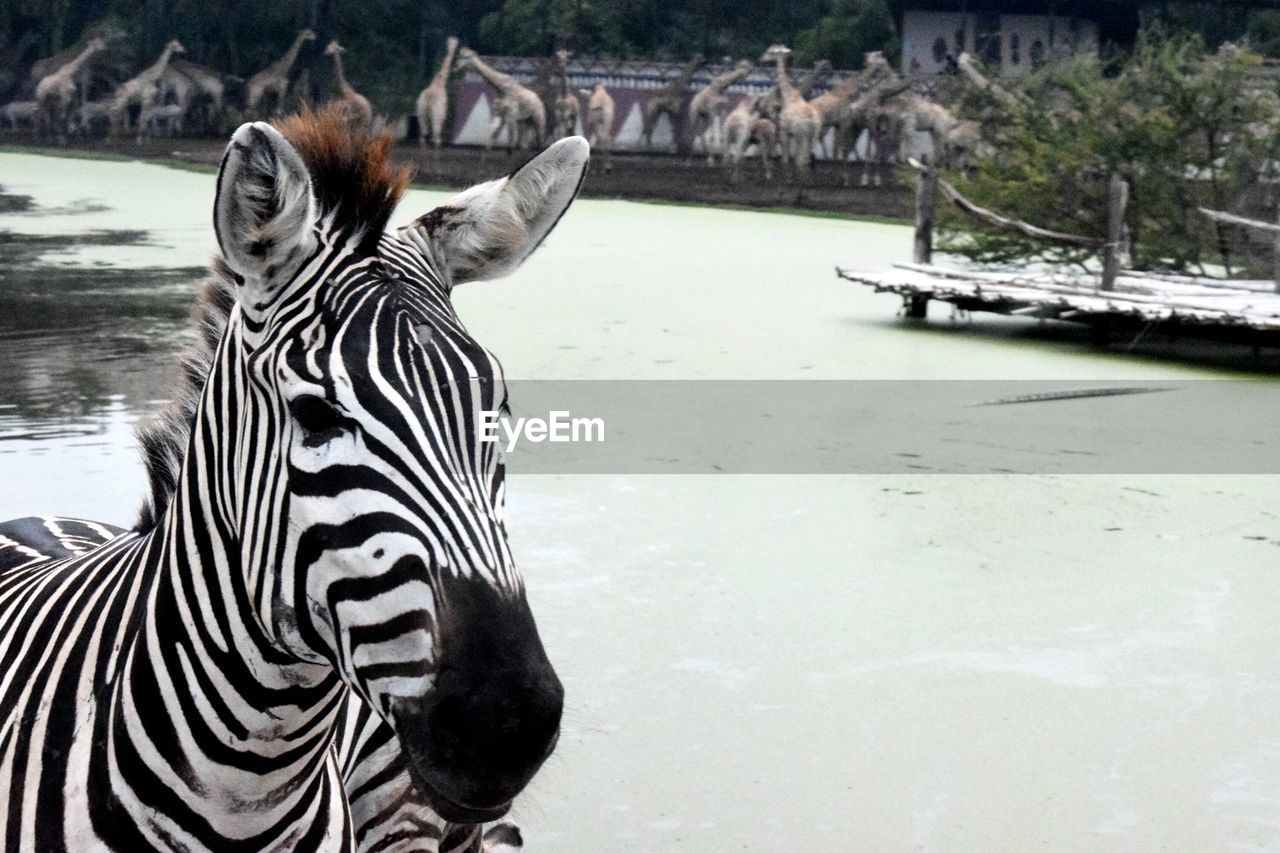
<point>393,45</point>
<point>239,32</point>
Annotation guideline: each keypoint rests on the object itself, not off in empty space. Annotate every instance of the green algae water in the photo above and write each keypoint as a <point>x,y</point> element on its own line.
<point>772,663</point>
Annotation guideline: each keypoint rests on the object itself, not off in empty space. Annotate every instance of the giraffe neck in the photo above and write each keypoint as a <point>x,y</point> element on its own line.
<point>849,85</point>
<point>687,74</point>
<point>502,82</point>
<point>785,86</point>
<point>810,81</point>
<point>724,81</point>
<point>446,67</point>
<point>676,88</point>
<point>285,63</point>
<point>73,67</point>
<point>338,73</point>
<point>158,67</point>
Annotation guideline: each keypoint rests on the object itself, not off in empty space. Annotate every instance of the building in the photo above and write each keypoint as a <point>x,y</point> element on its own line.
<point>1012,35</point>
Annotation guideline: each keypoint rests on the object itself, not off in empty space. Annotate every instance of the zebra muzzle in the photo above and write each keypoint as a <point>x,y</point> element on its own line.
<point>493,716</point>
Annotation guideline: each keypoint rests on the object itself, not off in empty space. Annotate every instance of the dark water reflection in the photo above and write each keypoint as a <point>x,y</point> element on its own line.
<point>85,352</point>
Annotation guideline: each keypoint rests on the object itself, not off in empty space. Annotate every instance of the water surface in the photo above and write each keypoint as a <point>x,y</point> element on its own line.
<point>897,662</point>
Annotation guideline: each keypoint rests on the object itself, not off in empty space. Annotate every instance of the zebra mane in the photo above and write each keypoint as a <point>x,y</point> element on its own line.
<point>164,439</point>
<point>351,174</point>
<point>352,179</point>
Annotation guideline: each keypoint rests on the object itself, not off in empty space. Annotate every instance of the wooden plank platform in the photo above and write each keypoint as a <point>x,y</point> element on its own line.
<point>1184,305</point>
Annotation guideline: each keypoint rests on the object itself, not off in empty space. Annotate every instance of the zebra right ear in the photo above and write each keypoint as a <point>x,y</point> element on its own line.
<point>263,212</point>
<point>490,229</point>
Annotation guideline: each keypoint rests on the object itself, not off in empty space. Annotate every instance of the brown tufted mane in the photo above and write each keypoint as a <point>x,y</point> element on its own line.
<point>351,175</point>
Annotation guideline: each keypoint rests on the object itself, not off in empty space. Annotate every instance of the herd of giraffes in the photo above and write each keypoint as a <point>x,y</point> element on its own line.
<point>165,94</point>
<point>785,124</point>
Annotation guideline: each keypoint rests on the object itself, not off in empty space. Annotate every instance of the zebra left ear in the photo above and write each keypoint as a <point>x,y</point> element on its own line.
<point>263,212</point>
<point>489,230</point>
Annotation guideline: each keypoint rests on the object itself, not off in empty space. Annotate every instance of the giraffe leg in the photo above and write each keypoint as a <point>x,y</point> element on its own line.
<point>699,135</point>
<point>436,140</point>
<point>495,127</point>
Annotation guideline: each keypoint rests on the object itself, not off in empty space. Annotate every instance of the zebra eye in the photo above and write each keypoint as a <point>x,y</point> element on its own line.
<point>318,418</point>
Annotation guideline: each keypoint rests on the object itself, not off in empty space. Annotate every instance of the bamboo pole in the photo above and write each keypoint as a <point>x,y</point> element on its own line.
<point>992,218</point>
<point>1232,219</point>
<point>1254,224</point>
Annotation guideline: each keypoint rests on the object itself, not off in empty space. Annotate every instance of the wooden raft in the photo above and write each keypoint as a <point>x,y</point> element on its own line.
<point>1186,305</point>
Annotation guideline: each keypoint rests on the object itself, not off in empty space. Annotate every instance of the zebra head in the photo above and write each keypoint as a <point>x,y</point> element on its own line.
<point>373,534</point>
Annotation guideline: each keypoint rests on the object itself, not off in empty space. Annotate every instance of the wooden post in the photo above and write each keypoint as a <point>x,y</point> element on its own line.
<point>1117,201</point>
<point>926,207</point>
<point>1275,254</point>
<point>917,306</point>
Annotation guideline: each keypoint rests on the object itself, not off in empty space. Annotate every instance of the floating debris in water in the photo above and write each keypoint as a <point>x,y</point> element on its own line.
<point>1069,394</point>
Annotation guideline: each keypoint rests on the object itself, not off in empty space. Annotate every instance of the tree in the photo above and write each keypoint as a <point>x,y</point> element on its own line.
<point>1185,127</point>
<point>849,30</point>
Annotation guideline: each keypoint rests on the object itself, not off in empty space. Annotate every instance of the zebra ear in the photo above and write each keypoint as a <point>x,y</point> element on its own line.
<point>488,230</point>
<point>263,211</point>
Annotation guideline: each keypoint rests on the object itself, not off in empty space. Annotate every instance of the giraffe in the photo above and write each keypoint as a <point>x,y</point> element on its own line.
<point>91,117</point>
<point>517,108</point>
<point>141,91</point>
<point>797,120</point>
<point>769,104</point>
<point>707,108</point>
<point>58,92</point>
<point>832,105</point>
<point>161,119</point>
<point>355,106</point>
<point>879,112</point>
<point>743,126</point>
<point>188,84</point>
<point>670,101</point>
<point>17,113</point>
<point>600,122</point>
<point>968,68</point>
<point>274,79</point>
<point>433,101</point>
<point>568,113</point>
<point>42,68</point>
<point>951,137</point>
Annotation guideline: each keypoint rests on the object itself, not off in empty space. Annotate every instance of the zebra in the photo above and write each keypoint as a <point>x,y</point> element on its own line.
<point>333,526</point>
<point>386,812</point>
